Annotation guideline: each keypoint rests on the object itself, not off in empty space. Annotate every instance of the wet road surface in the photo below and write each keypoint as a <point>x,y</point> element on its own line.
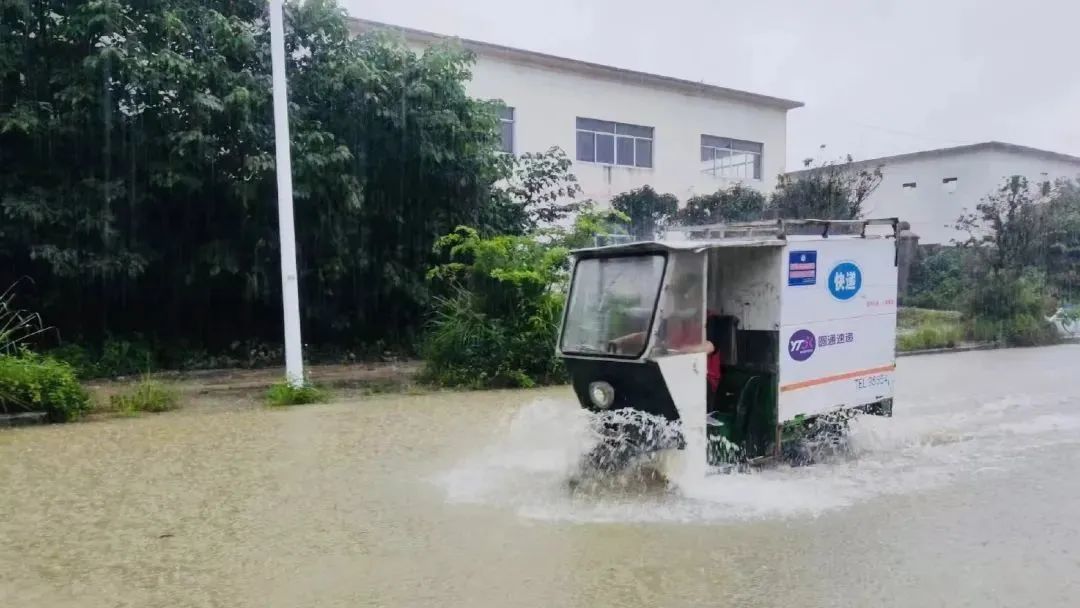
<point>969,496</point>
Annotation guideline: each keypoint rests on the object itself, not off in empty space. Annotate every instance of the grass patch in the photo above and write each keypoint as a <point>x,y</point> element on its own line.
<point>147,396</point>
<point>284,393</point>
<point>930,337</point>
<point>914,318</point>
<point>924,329</point>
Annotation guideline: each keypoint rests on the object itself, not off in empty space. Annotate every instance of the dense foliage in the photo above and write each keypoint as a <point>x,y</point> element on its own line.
<point>939,277</point>
<point>30,382</point>
<point>830,190</point>
<point>649,211</point>
<point>736,204</point>
<point>1025,244</point>
<point>827,191</point>
<point>495,323</point>
<point>137,170</point>
<point>1010,308</point>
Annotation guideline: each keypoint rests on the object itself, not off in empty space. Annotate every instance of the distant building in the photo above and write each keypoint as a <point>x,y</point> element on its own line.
<point>932,188</point>
<point>626,129</point>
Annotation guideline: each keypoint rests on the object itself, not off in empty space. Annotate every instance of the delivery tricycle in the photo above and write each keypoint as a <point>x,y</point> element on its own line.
<point>735,341</point>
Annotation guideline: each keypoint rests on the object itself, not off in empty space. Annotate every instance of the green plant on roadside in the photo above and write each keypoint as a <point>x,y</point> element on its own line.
<point>284,393</point>
<point>930,337</point>
<point>939,278</point>
<point>117,358</point>
<point>1011,309</point>
<point>497,324</point>
<point>31,382</point>
<point>148,395</point>
<point>925,329</point>
<point>17,326</point>
<point>124,358</point>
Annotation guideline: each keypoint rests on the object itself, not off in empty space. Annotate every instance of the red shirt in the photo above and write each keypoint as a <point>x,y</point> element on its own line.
<point>687,332</point>
<point>712,370</point>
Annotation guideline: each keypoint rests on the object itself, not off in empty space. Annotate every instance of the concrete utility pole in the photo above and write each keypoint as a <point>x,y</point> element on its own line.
<point>290,296</point>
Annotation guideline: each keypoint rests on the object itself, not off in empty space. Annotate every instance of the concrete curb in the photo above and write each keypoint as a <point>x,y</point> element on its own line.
<point>956,349</point>
<point>23,419</point>
<point>973,347</point>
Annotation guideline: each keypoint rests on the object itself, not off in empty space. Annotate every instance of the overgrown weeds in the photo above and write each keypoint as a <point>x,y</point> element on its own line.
<point>17,326</point>
<point>284,393</point>
<point>148,395</point>
<point>496,325</point>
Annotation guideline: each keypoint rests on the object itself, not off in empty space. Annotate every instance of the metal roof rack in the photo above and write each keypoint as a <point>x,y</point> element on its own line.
<point>772,229</point>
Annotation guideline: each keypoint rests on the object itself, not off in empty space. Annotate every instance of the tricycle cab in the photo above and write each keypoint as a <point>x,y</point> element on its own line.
<point>731,331</point>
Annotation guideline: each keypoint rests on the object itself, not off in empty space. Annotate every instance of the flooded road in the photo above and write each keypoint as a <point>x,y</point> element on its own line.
<point>969,496</point>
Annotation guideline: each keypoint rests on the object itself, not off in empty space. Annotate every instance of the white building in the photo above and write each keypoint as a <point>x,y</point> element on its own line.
<point>932,188</point>
<point>626,129</point>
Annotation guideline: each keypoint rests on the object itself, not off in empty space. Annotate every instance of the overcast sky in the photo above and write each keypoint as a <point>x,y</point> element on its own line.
<point>877,77</point>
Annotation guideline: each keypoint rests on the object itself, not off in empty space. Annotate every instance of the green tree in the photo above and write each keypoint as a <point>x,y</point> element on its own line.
<point>830,190</point>
<point>1061,234</point>
<point>1006,227</point>
<point>590,223</point>
<point>735,204</point>
<point>1009,233</point>
<point>137,171</point>
<point>542,189</point>
<point>648,210</point>
<point>497,324</point>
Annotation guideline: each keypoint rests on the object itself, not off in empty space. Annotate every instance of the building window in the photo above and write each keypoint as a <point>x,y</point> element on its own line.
<point>506,124</point>
<point>909,185</point>
<point>948,184</point>
<point>614,143</point>
<point>734,158</point>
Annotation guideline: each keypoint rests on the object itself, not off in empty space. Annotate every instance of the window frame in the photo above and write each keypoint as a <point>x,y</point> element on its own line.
<point>512,121</point>
<point>627,134</point>
<point>652,317</point>
<point>731,149</point>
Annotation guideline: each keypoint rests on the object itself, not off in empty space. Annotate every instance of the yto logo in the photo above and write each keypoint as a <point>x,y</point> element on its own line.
<point>801,345</point>
<point>845,281</point>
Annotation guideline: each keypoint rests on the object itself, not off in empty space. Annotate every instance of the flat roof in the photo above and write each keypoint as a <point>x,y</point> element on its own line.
<point>583,67</point>
<point>954,150</point>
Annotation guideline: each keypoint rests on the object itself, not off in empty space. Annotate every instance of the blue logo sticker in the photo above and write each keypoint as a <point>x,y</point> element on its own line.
<point>802,268</point>
<point>845,281</point>
<point>801,345</point>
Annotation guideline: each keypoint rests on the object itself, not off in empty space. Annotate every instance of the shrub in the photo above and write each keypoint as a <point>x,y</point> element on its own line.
<point>1011,309</point>
<point>118,357</point>
<point>147,396</point>
<point>284,393</point>
<point>467,348</point>
<point>81,359</point>
<point>124,357</point>
<point>30,382</point>
<point>496,324</point>
<point>939,277</point>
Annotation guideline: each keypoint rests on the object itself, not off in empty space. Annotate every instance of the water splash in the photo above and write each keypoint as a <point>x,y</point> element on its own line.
<point>930,444</point>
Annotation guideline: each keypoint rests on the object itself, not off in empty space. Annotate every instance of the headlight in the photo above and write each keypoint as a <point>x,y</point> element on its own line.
<point>602,394</point>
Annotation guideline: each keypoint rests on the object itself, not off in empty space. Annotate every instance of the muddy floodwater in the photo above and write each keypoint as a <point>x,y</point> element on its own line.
<point>969,496</point>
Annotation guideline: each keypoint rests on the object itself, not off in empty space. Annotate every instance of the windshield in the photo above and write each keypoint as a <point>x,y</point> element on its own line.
<point>611,305</point>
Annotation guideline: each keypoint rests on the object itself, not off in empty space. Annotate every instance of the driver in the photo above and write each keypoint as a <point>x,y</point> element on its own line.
<point>682,332</point>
